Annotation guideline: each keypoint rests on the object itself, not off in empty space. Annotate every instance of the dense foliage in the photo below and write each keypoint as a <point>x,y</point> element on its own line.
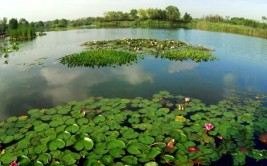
<point>167,129</point>
<point>99,58</point>
<point>17,30</point>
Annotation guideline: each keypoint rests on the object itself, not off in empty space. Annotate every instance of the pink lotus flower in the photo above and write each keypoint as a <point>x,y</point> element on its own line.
<point>14,163</point>
<point>208,126</point>
<point>187,99</point>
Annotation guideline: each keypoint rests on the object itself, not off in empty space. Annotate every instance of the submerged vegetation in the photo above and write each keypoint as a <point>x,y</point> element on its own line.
<point>171,130</point>
<point>125,51</point>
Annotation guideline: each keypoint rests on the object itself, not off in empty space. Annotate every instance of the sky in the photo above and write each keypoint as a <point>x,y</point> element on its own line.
<point>44,10</point>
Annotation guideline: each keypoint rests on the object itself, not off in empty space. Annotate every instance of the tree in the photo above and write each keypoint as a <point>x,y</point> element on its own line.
<point>142,14</point>
<point>264,19</point>
<point>62,23</point>
<point>40,24</point>
<point>133,14</point>
<point>3,25</point>
<point>13,23</point>
<point>172,13</point>
<point>187,18</point>
<point>23,21</point>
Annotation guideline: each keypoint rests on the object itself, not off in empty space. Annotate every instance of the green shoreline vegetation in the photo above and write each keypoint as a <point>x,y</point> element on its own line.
<point>167,129</point>
<point>170,17</point>
<point>126,51</point>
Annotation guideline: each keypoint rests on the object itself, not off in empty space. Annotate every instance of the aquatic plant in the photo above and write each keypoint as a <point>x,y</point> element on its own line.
<point>99,58</point>
<point>100,53</point>
<point>138,131</point>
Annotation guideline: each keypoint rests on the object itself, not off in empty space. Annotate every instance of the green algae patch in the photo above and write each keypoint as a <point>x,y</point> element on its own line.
<point>136,131</point>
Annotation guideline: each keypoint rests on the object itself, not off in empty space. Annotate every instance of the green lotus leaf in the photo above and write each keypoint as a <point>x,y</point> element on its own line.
<point>73,128</point>
<point>82,121</point>
<point>129,134</point>
<point>151,155</point>
<point>7,158</point>
<point>18,136</point>
<point>42,148</point>
<point>99,118</point>
<point>115,144</point>
<point>45,158</point>
<point>180,119</point>
<point>7,139</point>
<point>46,117</point>
<point>56,122</point>
<point>24,143</point>
<point>117,153</point>
<point>23,160</point>
<point>113,134</point>
<point>129,160</point>
<point>86,129</point>
<point>77,113</point>
<point>60,128</point>
<point>70,121</point>
<point>181,158</point>
<point>167,159</point>
<point>195,117</point>
<point>143,126</point>
<point>36,113</point>
<point>64,135</point>
<point>84,143</point>
<point>68,158</point>
<point>152,163</point>
<point>70,141</point>
<point>101,149</point>
<point>229,114</point>
<point>39,163</point>
<point>136,148</point>
<point>134,120</point>
<point>23,118</point>
<point>56,144</point>
<point>41,127</point>
<point>12,119</point>
<point>189,143</point>
<point>196,128</point>
<point>107,159</point>
<point>146,139</point>
<point>63,111</point>
<point>98,137</point>
<point>93,162</point>
<point>51,111</point>
<point>56,154</point>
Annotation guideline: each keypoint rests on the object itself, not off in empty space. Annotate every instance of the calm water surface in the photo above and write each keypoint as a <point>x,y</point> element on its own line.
<point>34,78</point>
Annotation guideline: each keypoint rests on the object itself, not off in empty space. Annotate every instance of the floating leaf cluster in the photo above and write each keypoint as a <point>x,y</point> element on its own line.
<point>138,131</point>
<point>99,58</point>
<point>123,51</point>
<point>5,50</point>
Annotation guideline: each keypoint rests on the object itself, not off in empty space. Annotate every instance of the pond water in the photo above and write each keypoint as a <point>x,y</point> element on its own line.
<point>34,78</point>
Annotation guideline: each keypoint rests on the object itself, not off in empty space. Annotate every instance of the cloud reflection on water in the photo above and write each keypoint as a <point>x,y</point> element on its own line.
<point>176,67</point>
<point>63,86</point>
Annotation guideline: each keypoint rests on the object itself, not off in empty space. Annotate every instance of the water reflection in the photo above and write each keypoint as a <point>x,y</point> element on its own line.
<point>134,74</point>
<point>176,67</point>
<point>64,86</point>
<point>242,66</point>
<point>229,88</point>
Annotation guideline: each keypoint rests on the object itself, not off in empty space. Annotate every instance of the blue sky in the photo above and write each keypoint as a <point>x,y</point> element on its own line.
<point>35,10</point>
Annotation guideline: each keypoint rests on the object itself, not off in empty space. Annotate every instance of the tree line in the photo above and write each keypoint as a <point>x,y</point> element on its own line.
<point>21,29</point>
<point>237,21</point>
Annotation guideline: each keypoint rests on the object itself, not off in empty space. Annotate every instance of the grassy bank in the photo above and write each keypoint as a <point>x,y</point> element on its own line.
<point>229,28</point>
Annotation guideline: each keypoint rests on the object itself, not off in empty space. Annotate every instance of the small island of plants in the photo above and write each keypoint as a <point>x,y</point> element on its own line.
<point>124,51</point>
